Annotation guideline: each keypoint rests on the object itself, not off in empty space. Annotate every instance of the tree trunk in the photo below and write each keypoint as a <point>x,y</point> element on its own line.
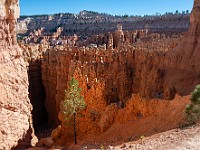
<point>75,142</point>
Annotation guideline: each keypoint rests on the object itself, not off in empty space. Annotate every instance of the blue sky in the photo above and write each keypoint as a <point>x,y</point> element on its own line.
<point>118,7</point>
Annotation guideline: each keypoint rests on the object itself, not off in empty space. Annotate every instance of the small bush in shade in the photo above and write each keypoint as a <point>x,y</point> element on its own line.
<point>192,111</point>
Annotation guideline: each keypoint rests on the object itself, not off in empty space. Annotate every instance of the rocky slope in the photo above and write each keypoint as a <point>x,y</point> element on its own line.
<point>15,108</point>
<point>177,139</point>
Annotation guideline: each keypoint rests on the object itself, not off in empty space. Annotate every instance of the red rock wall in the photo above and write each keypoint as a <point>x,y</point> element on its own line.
<point>110,80</point>
<point>174,71</point>
<point>15,107</point>
<point>111,69</point>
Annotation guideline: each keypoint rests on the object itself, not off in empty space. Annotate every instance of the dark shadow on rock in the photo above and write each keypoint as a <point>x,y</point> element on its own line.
<point>25,142</point>
<point>37,95</point>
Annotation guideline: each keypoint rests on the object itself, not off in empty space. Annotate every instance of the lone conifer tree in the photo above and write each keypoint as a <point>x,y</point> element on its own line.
<point>192,111</point>
<point>73,103</point>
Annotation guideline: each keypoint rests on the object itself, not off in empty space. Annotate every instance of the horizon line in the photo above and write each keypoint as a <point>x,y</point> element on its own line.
<point>129,15</point>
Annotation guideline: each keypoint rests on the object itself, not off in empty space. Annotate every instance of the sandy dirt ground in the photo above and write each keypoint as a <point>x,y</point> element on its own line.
<point>177,139</point>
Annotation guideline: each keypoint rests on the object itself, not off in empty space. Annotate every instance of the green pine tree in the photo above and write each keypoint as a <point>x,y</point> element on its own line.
<point>73,103</point>
<point>192,111</point>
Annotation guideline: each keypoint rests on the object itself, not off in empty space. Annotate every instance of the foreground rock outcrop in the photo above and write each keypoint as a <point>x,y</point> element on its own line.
<point>15,109</point>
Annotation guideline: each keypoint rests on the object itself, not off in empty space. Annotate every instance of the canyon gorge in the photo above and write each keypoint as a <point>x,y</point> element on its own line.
<point>136,75</point>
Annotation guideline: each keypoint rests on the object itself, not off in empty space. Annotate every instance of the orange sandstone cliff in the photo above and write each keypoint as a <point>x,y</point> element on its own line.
<point>125,88</point>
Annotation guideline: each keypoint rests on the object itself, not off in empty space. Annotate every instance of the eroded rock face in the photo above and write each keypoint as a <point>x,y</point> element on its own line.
<point>95,23</point>
<point>194,19</point>
<point>15,108</point>
<point>185,57</point>
<point>156,74</point>
<point>174,71</point>
<point>125,84</point>
<point>109,78</point>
